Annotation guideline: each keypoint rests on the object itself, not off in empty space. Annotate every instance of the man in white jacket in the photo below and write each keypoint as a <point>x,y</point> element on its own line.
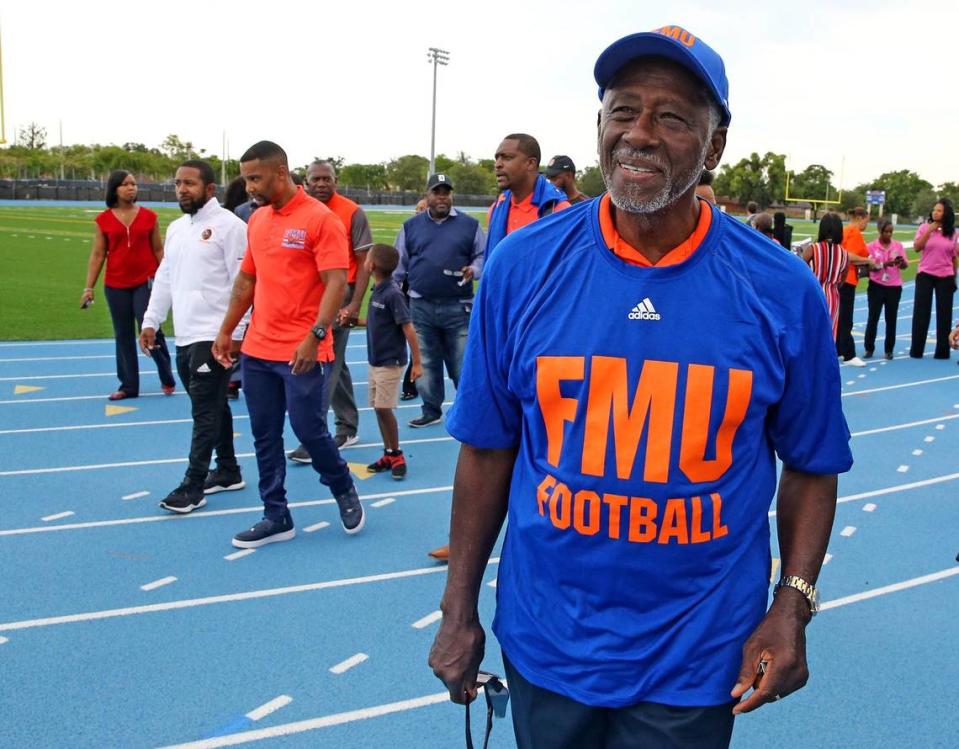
<point>201,257</point>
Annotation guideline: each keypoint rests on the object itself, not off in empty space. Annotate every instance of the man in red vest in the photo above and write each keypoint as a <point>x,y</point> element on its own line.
<point>321,184</point>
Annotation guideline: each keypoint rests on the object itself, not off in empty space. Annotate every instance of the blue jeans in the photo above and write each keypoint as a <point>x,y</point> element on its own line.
<point>272,391</point>
<point>127,307</point>
<point>441,327</point>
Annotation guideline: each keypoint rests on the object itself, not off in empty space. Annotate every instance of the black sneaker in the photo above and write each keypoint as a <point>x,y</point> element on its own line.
<point>351,511</point>
<point>300,455</point>
<point>868,354</point>
<point>345,440</point>
<point>266,532</point>
<point>888,356</point>
<point>399,465</point>
<point>184,499</point>
<point>425,421</point>
<point>222,480</point>
<point>385,463</point>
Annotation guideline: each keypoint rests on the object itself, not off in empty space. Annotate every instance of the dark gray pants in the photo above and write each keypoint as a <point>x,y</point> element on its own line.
<point>205,381</point>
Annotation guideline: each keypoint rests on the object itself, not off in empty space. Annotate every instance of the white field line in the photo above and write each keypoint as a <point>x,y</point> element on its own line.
<point>427,620</point>
<point>876,492</point>
<point>316,527</point>
<point>58,516</point>
<point>249,595</point>
<point>270,707</point>
<point>847,531</point>
<point>239,554</point>
<point>353,660</point>
<point>352,716</point>
<point>900,386</point>
<point>135,495</point>
<point>165,461</point>
<point>869,507</point>
<point>59,358</point>
<point>57,377</point>
<point>158,583</point>
<point>3,640</point>
<point>907,425</point>
<point>65,398</point>
<point>211,514</point>
<point>383,502</point>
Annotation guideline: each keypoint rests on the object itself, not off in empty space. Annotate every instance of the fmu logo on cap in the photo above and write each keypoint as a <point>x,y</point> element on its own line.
<point>678,33</point>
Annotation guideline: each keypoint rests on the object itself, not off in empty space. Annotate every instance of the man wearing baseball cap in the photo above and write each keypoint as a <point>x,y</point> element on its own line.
<point>633,447</point>
<point>562,173</point>
<point>441,252</point>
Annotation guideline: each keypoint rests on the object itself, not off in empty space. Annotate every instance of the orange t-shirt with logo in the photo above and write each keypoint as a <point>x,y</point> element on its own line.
<point>631,255</point>
<point>287,249</point>
<point>853,242</point>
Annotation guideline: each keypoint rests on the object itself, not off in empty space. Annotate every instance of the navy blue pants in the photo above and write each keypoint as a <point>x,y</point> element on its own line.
<point>271,392</point>
<point>542,718</point>
<point>127,307</point>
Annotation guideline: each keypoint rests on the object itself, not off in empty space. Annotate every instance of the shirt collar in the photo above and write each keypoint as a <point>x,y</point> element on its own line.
<point>206,212</point>
<point>452,214</point>
<point>293,202</point>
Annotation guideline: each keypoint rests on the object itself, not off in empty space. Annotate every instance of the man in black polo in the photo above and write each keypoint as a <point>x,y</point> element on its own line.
<point>561,171</point>
<point>441,253</point>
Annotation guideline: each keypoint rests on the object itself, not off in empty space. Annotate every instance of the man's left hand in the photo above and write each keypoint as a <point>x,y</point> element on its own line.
<point>304,358</point>
<point>780,641</point>
<point>467,271</point>
<point>348,316</point>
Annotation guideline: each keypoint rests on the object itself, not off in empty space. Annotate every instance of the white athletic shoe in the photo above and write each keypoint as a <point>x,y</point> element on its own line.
<point>856,362</point>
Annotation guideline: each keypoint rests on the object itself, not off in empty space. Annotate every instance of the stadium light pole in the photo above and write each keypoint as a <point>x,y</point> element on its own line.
<point>437,57</point>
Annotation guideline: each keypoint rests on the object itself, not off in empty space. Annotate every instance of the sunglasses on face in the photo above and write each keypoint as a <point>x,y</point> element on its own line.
<point>497,698</point>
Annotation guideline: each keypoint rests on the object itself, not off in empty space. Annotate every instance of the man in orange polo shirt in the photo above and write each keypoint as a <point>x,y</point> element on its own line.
<point>526,194</point>
<point>854,244</point>
<point>294,273</point>
<point>321,184</point>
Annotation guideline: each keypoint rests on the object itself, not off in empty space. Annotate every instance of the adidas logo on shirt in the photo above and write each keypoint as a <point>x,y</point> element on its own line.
<point>644,311</point>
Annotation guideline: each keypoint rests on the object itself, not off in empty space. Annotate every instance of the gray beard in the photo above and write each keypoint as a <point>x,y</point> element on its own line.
<point>675,186</point>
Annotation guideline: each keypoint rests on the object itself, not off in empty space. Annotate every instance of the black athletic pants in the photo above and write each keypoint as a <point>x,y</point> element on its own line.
<point>206,383</point>
<point>944,288</point>
<point>542,718</point>
<point>880,297</point>
<point>845,346</point>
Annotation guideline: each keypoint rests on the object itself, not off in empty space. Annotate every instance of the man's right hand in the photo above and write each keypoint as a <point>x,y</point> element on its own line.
<point>456,656</point>
<point>148,340</point>
<point>954,337</point>
<point>223,350</point>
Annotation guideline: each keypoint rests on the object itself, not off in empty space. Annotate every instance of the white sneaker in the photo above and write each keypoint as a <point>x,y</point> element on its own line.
<point>856,362</point>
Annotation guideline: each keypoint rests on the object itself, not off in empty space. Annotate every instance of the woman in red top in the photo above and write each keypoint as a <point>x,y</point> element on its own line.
<point>127,237</point>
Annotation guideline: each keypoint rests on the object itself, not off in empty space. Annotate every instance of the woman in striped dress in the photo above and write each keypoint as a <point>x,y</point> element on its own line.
<point>829,262</point>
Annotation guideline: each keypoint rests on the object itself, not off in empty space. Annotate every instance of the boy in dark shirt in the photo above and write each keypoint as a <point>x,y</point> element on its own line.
<point>388,329</point>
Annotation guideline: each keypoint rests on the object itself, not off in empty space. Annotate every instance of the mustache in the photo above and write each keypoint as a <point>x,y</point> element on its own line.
<point>624,153</point>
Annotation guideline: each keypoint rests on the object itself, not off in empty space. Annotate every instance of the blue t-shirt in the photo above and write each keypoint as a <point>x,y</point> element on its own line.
<point>647,405</point>
<point>386,315</point>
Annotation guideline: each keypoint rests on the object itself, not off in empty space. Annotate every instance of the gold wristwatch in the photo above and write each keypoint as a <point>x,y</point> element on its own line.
<point>807,589</point>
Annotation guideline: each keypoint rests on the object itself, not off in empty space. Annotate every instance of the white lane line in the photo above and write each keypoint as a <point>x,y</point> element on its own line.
<point>58,377</point>
<point>869,507</point>
<point>211,514</point>
<point>113,425</point>
<point>58,516</point>
<point>847,531</point>
<point>887,589</point>
<point>164,461</point>
<point>239,554</point>
<point>135,495</point>
<point>930,438</point>
<point>861,376</point>
<point>887,387</point>
<point>270,707</point>
<point>917,452</point>
<point>59,358</point>
<point>250,595</point>
<point>850,382</point>
<point>81,342</point>
<point>384,502</point>
<point>353,660</point>
<point>428,620</point>
<point>316,527</point>
<point>492,583</point>
<point>903,469</point>
<point>907,425</point>
<point>940,427</point>
<point>158,583</point>
<point>313,724</point>
<point>825,559</point>
<point>80,398</point>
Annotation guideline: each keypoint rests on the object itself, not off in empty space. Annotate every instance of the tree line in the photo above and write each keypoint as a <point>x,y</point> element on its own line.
<point>761,179</point>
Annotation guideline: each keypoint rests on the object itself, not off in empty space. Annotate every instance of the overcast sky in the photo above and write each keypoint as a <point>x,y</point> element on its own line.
<point>868,82</point>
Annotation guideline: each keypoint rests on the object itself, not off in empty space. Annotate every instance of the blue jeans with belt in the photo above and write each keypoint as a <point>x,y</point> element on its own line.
<point>441,326</point>
<point>272,390</point>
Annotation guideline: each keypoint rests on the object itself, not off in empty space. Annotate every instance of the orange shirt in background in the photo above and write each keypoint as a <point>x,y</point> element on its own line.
<point>853,242</point>
<point>286,251</point>
<point>522,213</point>
<point>633,256</point>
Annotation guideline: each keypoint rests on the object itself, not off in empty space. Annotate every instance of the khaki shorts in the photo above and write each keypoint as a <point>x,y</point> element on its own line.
<point>385,386</point>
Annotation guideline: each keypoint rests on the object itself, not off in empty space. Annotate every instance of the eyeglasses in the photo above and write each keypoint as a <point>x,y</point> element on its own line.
<point>497,698</point>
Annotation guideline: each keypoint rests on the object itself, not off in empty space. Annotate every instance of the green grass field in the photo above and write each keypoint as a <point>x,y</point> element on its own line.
<point>44,253</point>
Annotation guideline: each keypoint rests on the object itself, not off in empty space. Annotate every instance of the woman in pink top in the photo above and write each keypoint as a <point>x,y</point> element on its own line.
<point>936,245</point>
<point>885,286</point>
